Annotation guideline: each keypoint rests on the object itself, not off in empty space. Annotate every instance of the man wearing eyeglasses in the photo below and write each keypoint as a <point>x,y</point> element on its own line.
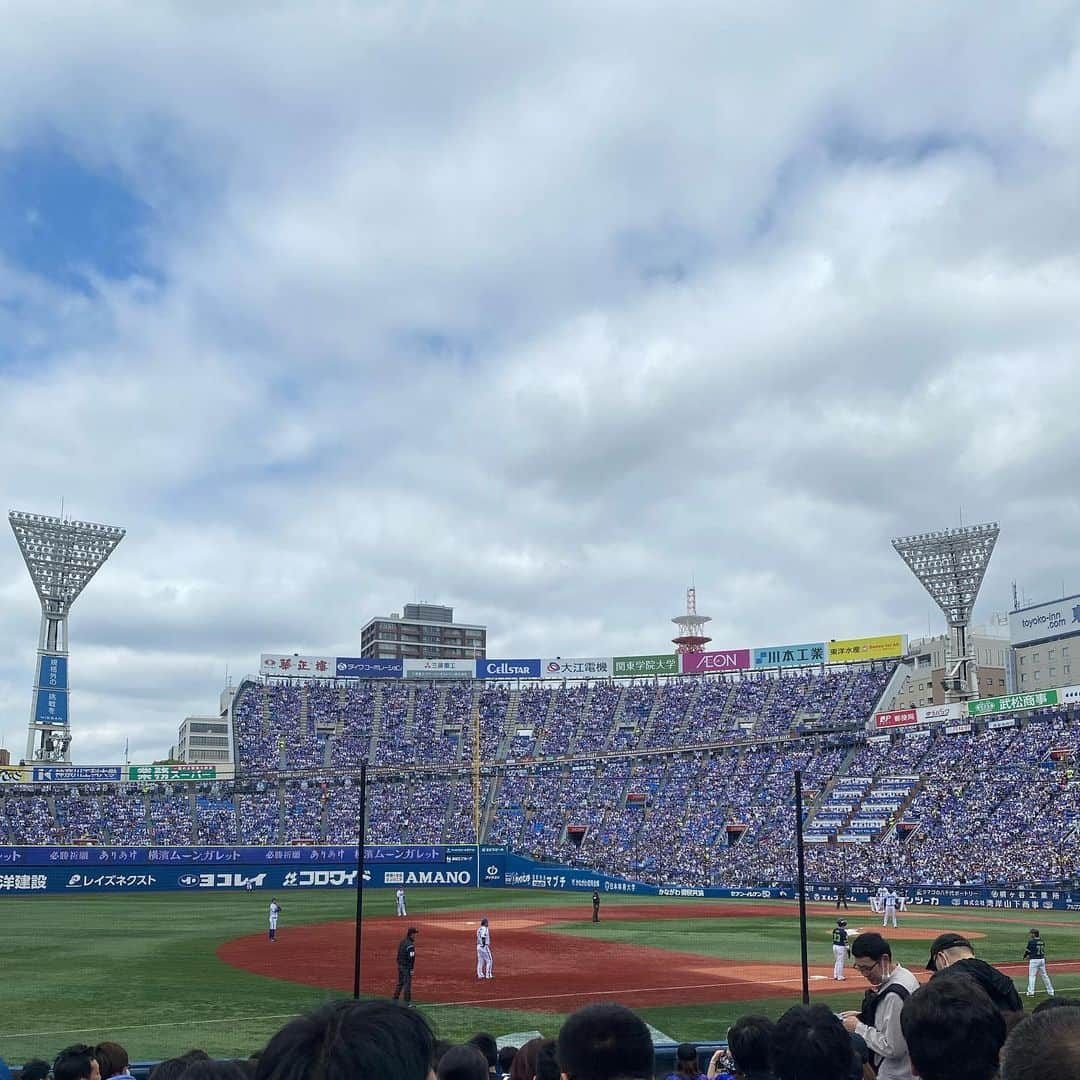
<point>878,1021</point>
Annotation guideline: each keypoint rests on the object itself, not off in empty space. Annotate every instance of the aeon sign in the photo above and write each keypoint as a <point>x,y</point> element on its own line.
<point>704,663</point>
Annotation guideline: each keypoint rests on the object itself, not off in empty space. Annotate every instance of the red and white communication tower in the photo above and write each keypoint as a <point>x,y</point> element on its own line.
<point>692,637</point>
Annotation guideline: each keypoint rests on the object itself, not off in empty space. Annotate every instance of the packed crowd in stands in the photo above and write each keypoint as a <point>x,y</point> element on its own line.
<point>966,1022</point>
<point>686,781</point>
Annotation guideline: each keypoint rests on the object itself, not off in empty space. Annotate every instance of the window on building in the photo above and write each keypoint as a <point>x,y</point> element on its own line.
<point>1023,678</point>
<point>1053,672</point>
<point>1038,675</point>
<point>1022,661</point>
<point>1053,653</point>
<point>1064,651</point>
<point>1035,658</point>
<point>1067,669</point>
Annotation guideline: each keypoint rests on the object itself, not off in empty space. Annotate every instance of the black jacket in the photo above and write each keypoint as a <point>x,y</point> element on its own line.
<point>999,987</point>
<point>406,954</point>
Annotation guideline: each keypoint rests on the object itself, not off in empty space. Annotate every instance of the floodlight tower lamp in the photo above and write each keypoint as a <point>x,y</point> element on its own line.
<point>951,565</point>
<point>61,556</point>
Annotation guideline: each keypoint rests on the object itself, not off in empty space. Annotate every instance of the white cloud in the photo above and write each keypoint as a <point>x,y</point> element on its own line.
<point>539,312</point>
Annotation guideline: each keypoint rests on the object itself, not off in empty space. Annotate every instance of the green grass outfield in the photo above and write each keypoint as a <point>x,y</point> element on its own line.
<point>142,969</point>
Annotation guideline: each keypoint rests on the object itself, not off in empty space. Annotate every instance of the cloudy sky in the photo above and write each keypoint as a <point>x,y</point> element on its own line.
<point>538,310</point>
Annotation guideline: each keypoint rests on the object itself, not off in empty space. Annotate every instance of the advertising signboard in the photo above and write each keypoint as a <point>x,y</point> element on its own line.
<point>52,671</point>
<point>508,669</point>
<point>14,774</point>
<point>439,669</point>
<point>51,707</point>
<point>626,667</point>
<point>153,773</point>
<point>575,667</point>
<point>1043,621</point>
<point>854,650</point>
<point>368,667</point>
<point>297,667</point>
<point>1012,703</point>
<point>705,663</point>
<point>896,718</point>
<point>770,656</point>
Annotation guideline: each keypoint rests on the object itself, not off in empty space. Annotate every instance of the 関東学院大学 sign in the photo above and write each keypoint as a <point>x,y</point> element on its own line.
<point>626,667</point>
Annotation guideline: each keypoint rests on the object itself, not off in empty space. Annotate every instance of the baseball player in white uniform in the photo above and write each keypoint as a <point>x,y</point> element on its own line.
<point>890,899</point>
<point>275,911</point>
<point>1035,955</point>
<point>400,894</point>
<point>877,901</point>
<point>483,951</point>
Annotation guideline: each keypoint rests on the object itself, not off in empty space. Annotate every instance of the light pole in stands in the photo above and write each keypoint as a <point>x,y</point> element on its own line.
<point>802,885</point>
<point>358,943</point>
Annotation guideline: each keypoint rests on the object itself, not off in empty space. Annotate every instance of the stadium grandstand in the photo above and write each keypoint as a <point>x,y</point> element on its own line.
<point>684,779</point>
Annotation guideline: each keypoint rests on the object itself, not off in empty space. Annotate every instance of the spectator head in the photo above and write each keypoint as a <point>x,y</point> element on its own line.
<point>686,1061</point>
<point>346,1039</point>
<point>216,1070</point>
<point>487,1046</point>
<point>76,1063</point>
<point>39,1069</point>
<point>1045,1046</point>
<point>506,1059</point>
<point>441,1046</point>
<point>524,1066</point>
<point>810,1043</point>
<point>953,1031</point>
<point>547,1061</point>
<point>873,957</point>
<point>1058,1001</point>
<point>112,1059</point>
<point>605,1041</point>
<point>174,1068</point>
<point>749,1039</point>
<point>463,1063</point>
<point>946,949</point>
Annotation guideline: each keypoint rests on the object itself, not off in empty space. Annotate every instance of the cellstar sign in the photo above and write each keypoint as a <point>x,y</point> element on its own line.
<point>573,667</point>
<point>789,655</point>
<point>52,672</point>
<point>368,667</point>
<point>297,667</point>
<point>705,662</point>
<point>1043,621</point>
<point>508,669</point>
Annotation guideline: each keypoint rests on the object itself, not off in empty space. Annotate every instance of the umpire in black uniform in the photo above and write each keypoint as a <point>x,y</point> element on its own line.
<point>406,961</point>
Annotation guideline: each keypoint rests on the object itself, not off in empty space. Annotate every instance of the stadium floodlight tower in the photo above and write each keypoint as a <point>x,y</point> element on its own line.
<point>951,566</point>
<point>692,637</point>
<point>62,556</point>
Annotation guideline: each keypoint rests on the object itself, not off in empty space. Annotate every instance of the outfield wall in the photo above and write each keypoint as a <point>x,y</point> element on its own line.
<point>28,871</point>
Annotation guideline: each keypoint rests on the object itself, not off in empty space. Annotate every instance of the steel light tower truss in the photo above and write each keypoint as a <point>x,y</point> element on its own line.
<point>951,566</point>
<point>62,556</point>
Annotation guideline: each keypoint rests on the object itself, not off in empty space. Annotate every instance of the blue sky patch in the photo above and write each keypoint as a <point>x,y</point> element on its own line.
<point>63,222</point>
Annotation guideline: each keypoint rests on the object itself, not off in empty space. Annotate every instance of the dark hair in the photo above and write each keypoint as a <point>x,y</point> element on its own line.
<point>1044,1044</point>
<point>547,1061</point>
<point>1056,1001</point>
<point>872,946</point>
<point>216,1070</point>
<point>112,1059</point>
<point>350,1040</point>
<point>686,1061</point>
<point>506,1058</point>
<point>953,1030</point>
<point>605,1041</point>
<point>463,1063</point>
<point>38,1069</point>
<point>748,1041</point>
<point>74,1063</point>
<point>524,1065</point>
<point>487,1046</point>
<point>810,1043</point>
<point>441,1046</point>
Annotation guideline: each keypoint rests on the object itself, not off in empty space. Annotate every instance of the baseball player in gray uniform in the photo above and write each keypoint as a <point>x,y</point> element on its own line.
<point>483,951</point>
<point>400,894</point>
<point>275,911</point>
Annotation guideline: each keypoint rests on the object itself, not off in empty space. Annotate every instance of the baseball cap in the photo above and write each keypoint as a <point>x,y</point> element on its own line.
<point>841,922</point>
<point>413,930</point>
<point>943,942</point>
